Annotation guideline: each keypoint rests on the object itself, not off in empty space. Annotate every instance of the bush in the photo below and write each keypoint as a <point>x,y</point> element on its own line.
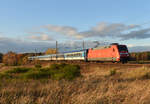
<point>55,71</point>
<point>62,65</point>
<point>54,66</point>
<point>58,76</point>
<point>65,71</point>
<point>112,72</point>
<point>71,71</point>
<point>10,58</point>
<point>38,66</point>
<point>36,75</point>
<point>18,70</point>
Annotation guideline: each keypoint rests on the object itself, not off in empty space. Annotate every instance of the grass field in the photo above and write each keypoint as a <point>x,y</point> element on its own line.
<point>96,84</point>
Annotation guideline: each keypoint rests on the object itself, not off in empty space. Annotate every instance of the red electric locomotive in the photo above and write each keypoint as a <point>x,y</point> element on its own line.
<point>113,52</point>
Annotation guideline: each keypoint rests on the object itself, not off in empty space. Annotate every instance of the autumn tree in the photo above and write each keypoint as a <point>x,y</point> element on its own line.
<point>133,56</point>
<point>140,56</point>
<point>10,58</point>
<point>50,51</point>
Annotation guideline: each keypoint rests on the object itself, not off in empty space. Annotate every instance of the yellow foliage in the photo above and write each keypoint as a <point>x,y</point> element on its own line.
<point>50,51</point>
<point>10,58</point>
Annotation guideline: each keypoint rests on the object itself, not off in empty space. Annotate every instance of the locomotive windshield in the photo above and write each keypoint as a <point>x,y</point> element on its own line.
<point>122,48</point>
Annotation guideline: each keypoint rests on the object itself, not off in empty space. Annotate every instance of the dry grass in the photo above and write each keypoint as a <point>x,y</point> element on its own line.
<point>139,73</point>
<point>97,86</point>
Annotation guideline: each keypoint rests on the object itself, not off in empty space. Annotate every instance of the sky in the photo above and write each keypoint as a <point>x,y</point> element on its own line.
<point>26,25</point>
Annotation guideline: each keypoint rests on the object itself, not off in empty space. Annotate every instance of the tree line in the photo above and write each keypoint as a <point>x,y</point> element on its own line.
<point>140,56</point>
<point>12,58</point>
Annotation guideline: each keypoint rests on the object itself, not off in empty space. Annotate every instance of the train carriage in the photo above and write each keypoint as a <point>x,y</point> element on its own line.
<point>51,57</point>
<point>76,55</point>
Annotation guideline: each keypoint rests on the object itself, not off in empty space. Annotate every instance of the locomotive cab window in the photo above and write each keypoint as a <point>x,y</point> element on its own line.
<point>122,48</point>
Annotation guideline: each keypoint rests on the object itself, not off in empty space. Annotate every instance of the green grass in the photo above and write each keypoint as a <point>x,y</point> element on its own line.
<point>55,71</point>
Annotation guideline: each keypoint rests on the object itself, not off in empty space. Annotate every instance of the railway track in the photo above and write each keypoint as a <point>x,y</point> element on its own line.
<point>81,63</point>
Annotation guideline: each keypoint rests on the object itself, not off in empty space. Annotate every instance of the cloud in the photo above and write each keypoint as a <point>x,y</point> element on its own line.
<point>103,29</point>
<point>108,30</point>
<point>139,48</point>
<point>39,36</point>
<point>139,34</point>
<point>43,37</point>
<point>130,45</point>
<point>65,30</point>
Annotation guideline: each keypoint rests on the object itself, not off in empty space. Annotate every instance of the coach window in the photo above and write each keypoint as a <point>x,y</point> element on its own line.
<point>80,54</point>
<point>76,54</point>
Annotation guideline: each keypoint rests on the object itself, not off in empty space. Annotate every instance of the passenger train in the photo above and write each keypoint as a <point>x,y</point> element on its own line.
<point>113,53</point>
